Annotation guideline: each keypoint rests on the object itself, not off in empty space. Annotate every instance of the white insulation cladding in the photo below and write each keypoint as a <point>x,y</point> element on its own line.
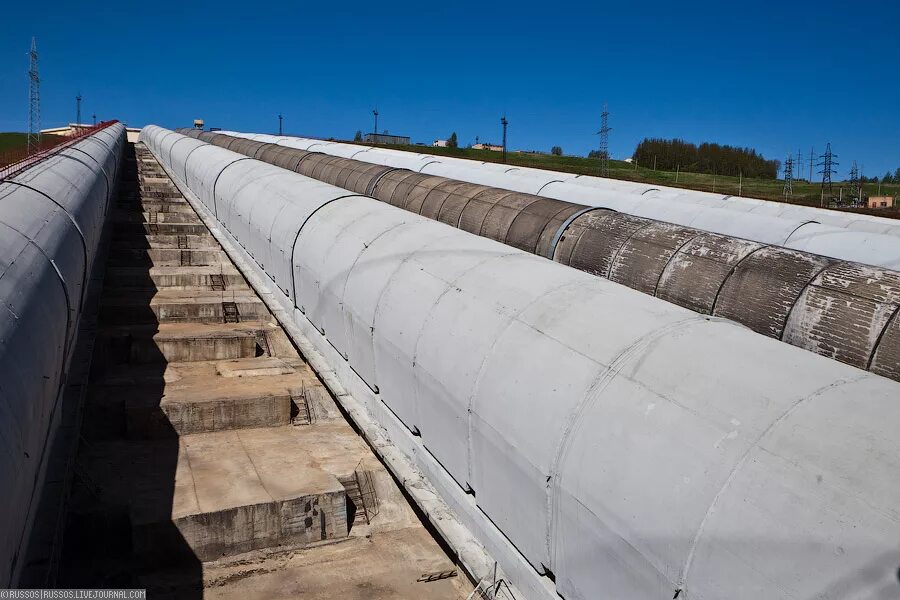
<point>622,446</point>
<point>848,236</point>
<point>51,218</point>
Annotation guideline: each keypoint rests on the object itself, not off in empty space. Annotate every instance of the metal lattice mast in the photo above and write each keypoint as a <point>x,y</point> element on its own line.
<point>854,178</point>
<point>788,176</point>
<point>505,123</point>
<point>604,141</point>
<point>798,166</point>
<point>812,159</point>
<point>78,110</point>
<point>34,102</point>
<point>828,165</point>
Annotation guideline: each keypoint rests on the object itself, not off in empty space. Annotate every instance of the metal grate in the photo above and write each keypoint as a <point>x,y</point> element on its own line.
<point>183,242</point>
<point>152,217</point>
<point>185,258</point>
<point>230,312</point>
<point>217,282</point>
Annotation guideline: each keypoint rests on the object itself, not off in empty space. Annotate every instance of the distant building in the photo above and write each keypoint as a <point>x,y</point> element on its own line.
<point>383,138</point>
<point>439,144</point>
<point>880,202</point>
<point>72,129</point>
<point>487,147</point>
<point>68,130</point>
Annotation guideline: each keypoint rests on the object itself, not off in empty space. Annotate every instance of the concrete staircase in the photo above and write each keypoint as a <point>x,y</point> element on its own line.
<point>206,438</point>
<point>191,428</point>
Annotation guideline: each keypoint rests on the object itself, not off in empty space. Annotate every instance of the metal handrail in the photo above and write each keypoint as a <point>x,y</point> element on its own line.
<point>16,160</point>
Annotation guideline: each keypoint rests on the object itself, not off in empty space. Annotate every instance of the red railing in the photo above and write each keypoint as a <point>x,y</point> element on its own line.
<point>18,159</point>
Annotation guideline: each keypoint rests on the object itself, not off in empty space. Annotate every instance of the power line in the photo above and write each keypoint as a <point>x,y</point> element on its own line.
<point>604,141</point>
<point>34,101</point>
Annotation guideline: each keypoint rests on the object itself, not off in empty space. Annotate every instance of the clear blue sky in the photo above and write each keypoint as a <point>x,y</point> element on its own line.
<point>776,76</point>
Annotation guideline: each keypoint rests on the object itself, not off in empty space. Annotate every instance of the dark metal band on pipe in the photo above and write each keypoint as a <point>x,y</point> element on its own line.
<point>770,289</point>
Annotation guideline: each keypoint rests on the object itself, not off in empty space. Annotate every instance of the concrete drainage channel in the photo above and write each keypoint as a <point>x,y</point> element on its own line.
<point>213,462</point>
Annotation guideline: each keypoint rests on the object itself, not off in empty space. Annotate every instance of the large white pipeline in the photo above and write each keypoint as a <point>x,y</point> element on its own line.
<point>628,447</point>
<point>51,218</point>
<point>854,237</point>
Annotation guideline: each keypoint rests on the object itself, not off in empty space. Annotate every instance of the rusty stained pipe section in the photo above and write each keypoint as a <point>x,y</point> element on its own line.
<point>843,310</point>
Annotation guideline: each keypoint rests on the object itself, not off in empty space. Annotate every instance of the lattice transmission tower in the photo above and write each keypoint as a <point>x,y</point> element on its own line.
<point>604,141</point>
<point>828,165</point>
<point>788,176</point>
<point>34,101</point>
<point>854,180</point>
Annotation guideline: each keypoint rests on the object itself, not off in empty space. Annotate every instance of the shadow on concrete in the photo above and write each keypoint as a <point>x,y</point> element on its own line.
<point>125,474</point>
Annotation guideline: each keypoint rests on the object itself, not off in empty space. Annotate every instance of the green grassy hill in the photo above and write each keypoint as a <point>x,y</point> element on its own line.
<point>770,189</point>
<point>12,140</point>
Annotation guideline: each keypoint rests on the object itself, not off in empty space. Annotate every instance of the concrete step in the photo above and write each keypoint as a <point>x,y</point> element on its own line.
<point>166,195</point>
<point>137,204</point>
<point>191,242</point>
<point>153,402</point>
<point>125,216</point>
<point>386,566</point>
<point>228,492</point>
<point>166,257</point>
<point>172,306</point>
<point>180,342</point>
<point>135,227</point>
<point>209,277</point>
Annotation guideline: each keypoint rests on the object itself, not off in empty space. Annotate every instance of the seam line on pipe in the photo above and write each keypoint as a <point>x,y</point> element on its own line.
<point>894,317</point>
<point>431,162</point>
<point>608,373</point>
<point>297,237</point>
<point>615,258</point>
<point>551,251</point>
<point>373,185</point>
<point>216,182</point>
<point>733,270</point>
<point>77,229</point>
<point>685,571</point>
<point>795,230</point>
<point>541,189</point>
<point>671,258</point>
<point>787,318</point>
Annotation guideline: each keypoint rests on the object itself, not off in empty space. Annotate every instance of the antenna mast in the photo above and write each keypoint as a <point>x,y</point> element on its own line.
<point>604,141</point>
<point>34,102</point>
<point>78,110</point>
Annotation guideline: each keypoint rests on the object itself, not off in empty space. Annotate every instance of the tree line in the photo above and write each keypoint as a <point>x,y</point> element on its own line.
<point>889,177</point>
<point>670,155</point>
